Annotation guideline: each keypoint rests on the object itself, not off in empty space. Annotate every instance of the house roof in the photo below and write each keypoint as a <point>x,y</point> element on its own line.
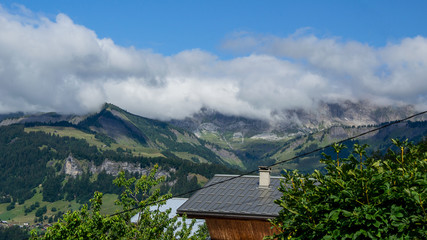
<point>238,197</point>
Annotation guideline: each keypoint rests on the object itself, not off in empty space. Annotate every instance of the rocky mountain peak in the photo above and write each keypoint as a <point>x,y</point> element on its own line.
<point>296,121</point>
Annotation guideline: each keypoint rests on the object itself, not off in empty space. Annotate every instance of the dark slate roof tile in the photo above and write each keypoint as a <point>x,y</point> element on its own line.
<point>237,196</point>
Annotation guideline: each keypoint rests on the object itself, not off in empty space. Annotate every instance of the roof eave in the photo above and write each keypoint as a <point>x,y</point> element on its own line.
<point>243,216</point>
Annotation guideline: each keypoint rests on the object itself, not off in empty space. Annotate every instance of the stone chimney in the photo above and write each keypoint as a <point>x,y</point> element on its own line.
<point>264,176</point>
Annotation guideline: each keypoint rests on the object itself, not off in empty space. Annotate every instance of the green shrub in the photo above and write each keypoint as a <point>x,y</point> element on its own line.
<point>152,224</point>
<point>10,206</point>
<point>41,211</point>
<point>358,198</point>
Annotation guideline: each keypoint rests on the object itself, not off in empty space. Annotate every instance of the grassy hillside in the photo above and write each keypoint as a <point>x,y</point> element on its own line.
<point>256,151</point>
<point>19,216</point>
<point>33,162</point>
<point>378,141</point>
<point>148,137</point>
<point>124,143</point>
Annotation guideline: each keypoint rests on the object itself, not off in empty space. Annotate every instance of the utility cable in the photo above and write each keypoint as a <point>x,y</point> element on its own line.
<point>280,162</point>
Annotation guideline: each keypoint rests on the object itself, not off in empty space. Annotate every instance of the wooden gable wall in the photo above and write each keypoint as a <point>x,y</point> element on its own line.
<point>231,229</point>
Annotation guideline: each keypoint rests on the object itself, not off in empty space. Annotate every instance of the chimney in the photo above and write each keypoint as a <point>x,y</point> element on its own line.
<point>264,176</point>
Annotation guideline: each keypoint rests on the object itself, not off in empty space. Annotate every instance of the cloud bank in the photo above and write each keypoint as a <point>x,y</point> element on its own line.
<point>57,65</point>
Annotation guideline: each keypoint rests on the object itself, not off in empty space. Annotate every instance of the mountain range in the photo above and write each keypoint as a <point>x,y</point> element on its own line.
<point>234,141</point>
<point>61,159</point>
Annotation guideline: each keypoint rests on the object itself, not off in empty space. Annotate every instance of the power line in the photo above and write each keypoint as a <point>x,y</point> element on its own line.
<point>280,162</point>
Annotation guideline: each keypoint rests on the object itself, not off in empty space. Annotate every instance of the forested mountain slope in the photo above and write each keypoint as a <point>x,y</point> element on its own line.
<point>30,159</point>
<point>68,157</point>
<point>291,132</point>
<point>116,129</point>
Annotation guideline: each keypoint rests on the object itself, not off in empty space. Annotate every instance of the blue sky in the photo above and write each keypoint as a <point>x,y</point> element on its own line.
<point>169,27</point>
<point>168,59</point>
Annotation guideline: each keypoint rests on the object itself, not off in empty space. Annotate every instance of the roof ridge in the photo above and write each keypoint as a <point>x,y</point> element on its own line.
<point>250,176</point>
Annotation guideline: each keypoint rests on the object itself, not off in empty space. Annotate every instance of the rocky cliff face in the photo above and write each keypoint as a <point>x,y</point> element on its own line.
<point>296,121</point>
<point>74,167</point>
<point>14,118</point>
<point>346,113</point>
<point>208,120</point>
<point>10,121</point>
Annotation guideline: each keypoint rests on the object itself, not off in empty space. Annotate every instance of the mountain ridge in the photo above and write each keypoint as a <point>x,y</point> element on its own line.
<point>298,121</point>
<point>212,137</point>
<point>138,135</point>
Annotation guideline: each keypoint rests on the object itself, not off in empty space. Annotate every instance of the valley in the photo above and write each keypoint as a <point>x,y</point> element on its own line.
<point>59,160</point>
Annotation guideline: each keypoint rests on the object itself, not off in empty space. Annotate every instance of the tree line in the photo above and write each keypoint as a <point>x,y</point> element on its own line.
<point>24,158</point>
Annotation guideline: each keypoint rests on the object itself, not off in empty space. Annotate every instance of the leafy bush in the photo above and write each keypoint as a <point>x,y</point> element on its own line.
<point>41,211</point>
<point>10,206</point>
<point>358,198</point>
<point>90,224</point>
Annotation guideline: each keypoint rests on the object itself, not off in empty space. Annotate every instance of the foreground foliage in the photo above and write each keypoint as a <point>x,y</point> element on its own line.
<point>359,197</point>
<point>14,232</point>
<point>152,224</point>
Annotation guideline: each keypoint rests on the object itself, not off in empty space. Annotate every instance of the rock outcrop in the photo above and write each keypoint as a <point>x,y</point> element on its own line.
<point>74,167</point>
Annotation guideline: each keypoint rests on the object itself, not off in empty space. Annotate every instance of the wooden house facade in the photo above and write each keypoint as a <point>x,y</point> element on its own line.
<point>236,207</point>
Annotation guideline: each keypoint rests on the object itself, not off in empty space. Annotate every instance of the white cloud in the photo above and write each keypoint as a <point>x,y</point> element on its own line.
<point>394,73</point>
<point>61,66</point>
